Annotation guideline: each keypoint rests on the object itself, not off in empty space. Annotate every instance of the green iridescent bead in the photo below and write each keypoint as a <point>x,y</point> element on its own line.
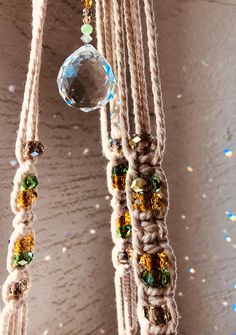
<point>22,259</point>
<point>155,183</point>
<point>120,170</point>
<point>163,278</point>
<point>148,279</point>
<point>86,29</point>
<point>29,182</point>
<point>124,231</point>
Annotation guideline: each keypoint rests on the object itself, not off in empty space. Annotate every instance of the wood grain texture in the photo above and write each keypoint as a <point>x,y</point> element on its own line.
<point>73,291</point>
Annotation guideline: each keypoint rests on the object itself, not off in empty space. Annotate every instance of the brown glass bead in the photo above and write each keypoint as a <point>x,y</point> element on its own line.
<point>33,149</point>
<point>158,315</point>
<point>144,143</point>
<point>19,289</point>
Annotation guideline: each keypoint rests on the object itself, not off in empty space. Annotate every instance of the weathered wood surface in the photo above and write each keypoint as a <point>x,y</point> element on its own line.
<point>72,273</point>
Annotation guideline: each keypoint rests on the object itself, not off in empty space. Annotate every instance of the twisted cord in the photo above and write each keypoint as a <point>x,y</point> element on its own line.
<point>14,313</point>
<point>102,49</point>
<point>138,37</point>
<point>32,122</point>
<point>142,124</point>
<point>150,235</point>
<point>149,231</point>
<point>155,77</point>
<point>121,73</point>
<point>125,293</point>
<point>108,32</point>
<point>39,8</point>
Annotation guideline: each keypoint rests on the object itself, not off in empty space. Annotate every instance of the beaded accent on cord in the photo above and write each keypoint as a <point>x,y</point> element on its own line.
<point>24,193</point>
<point>117,168</point>
<point>87,28</point>
<point>146,186</point>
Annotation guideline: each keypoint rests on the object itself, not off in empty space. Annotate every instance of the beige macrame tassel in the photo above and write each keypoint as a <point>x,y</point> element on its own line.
<point>14,314</point>
<point>151,253</point>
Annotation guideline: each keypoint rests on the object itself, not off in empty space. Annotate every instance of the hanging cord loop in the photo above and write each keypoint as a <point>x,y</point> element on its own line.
<point>23,196</point>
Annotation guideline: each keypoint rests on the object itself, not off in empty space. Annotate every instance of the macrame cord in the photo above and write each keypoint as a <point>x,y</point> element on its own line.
<point>23,196</point>
<point>124,280</point>
<point>119,34</point>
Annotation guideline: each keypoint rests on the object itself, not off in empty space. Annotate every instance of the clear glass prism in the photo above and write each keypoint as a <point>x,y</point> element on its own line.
<point>86,80</point>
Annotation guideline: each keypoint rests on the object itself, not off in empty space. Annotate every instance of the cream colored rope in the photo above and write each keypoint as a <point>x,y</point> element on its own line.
<point>157,311</point>
<point>13,316</point>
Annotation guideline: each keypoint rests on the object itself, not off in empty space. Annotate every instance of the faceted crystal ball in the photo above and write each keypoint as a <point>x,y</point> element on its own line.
<point>86,80</point>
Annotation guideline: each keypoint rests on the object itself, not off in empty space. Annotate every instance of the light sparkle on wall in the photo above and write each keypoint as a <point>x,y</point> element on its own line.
<point>228,153</point>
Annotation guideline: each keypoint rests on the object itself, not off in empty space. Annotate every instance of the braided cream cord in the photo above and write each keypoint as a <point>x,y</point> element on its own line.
<point>149,231</point>
<point>124,280</point>
<point>14,314</point>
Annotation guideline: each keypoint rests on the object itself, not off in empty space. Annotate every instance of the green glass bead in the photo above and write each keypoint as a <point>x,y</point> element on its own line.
<point>29,182</point>
<point>163,277</point>
<point>120,170</point>
<point>148,279</point>
<point>124,231</point>
<point>86,29</point>
<point>22,259</point>
<point>155,183</point>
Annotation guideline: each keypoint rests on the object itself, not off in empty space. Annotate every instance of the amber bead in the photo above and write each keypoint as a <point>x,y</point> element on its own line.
<point>146,260</point>
<point>157,202</point>
<point>163,259</point>
<point>26,198</point>
<point>119,182</point>
<point>123,219</point>
<point>123,225</point>
<point>155,273</point>
<point>119,176</point>
<point>25,244</point>
<point>87,3</point>
<point>142,201</point>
